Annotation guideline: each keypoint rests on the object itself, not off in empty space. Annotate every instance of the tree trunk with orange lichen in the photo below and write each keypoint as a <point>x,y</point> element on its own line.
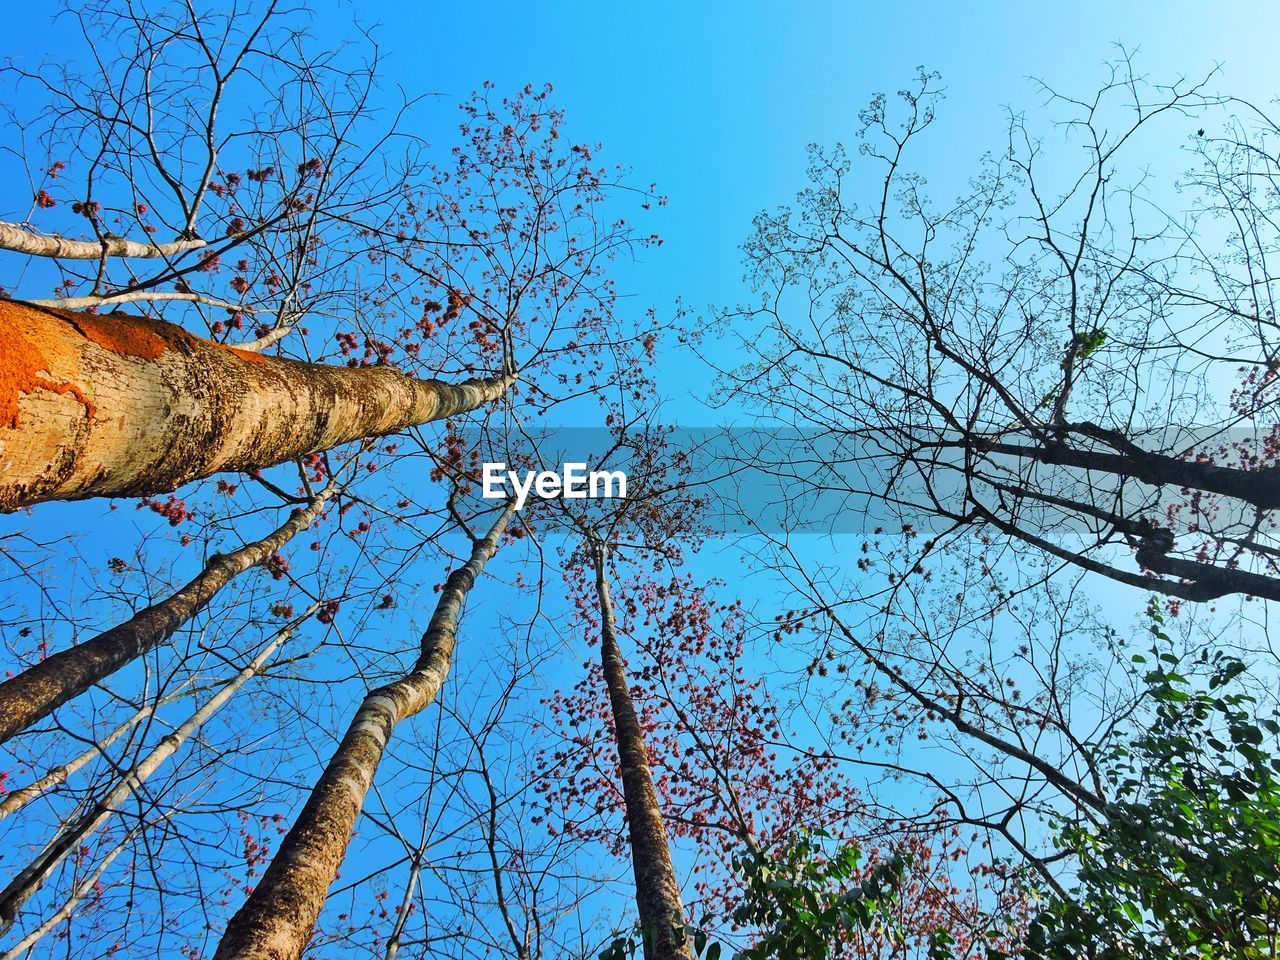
<point>276,921</point>
<point>112,405</point>
<point>663,929</point>
<point>36,692</point>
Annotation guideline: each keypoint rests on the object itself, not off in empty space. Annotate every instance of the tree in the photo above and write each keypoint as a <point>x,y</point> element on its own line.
<point>248,734</point>
<point>1184,862</point>
<point>131,782</point>
<point>1051,378</point>
<point>40,689</point>
<point>746,792</point>
<point>277,919</point>
<point>653,518</point>
<point>123,406</point>
<point>663,926</point>
<point>1048,357</point>
<point>327,267</point>
<point>806,902</point>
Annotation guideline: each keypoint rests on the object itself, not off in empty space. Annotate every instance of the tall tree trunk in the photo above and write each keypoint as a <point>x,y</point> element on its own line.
<point>40,689</point>
<point>33,876</point>
<point>111,405</point>
<point>1260,487</point>
<point>276,921</point>
<point>657,891</point>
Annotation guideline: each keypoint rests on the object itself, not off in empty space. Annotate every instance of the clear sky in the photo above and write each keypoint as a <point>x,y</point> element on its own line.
<point>716,101</point>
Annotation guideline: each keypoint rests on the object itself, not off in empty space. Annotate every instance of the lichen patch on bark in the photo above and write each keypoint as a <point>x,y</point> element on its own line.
<point>249,356</point>
<point>127,336</point>
<point>23,365</point>
<point>20,361</point>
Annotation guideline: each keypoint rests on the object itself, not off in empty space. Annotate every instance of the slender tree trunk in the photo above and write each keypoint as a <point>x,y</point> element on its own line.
<point>21,240</point>
<point>138,296</point>
<point>261,343</point>
<point>111,405</point>
<point>40,689</point>
<point>276,921</point>
<point>33,876</point>
<point>519,943</point>
<point>662,919</point>
<point>75,898</point>
<point>17,799</point>
<point>402,916</point>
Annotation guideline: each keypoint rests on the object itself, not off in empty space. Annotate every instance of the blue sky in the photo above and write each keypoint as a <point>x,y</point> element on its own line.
<point>715,102</point>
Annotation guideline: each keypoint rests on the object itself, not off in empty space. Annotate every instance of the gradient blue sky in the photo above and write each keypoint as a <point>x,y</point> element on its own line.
<point>715,102</point>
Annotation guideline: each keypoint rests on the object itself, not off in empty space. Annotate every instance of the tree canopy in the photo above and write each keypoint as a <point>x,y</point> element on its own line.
<point>948,638</point>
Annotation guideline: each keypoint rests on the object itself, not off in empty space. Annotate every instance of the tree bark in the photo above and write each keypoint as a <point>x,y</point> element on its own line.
<point>276,921</point>
<point>21,240</point>
<point>110,406</point>
<point>662,921</point>
<point>1261,487</point>
<point>261,343</point>
<point>40,689</point>
<point>138,296</point>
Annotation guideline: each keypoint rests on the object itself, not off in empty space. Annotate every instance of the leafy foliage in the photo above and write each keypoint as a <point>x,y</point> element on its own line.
<point>1187,862</point>
<point>805,899</point>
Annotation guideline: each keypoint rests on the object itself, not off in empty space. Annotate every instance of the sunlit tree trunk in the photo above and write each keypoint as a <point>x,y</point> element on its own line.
<point>37,872</point>
<point>40,689</point>
<point>111,405</point>
<point>21,240</point>
<point>277,919</point>
<point>662,920</point>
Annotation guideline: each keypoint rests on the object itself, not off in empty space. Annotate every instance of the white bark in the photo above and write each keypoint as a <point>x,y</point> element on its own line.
<point>77,895</point>
<point>21,240</point>
<point>17,799</point>
<point>138,296</point>
<point>43,687</point>
<point>264,341</point>
<point>276,921</point>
